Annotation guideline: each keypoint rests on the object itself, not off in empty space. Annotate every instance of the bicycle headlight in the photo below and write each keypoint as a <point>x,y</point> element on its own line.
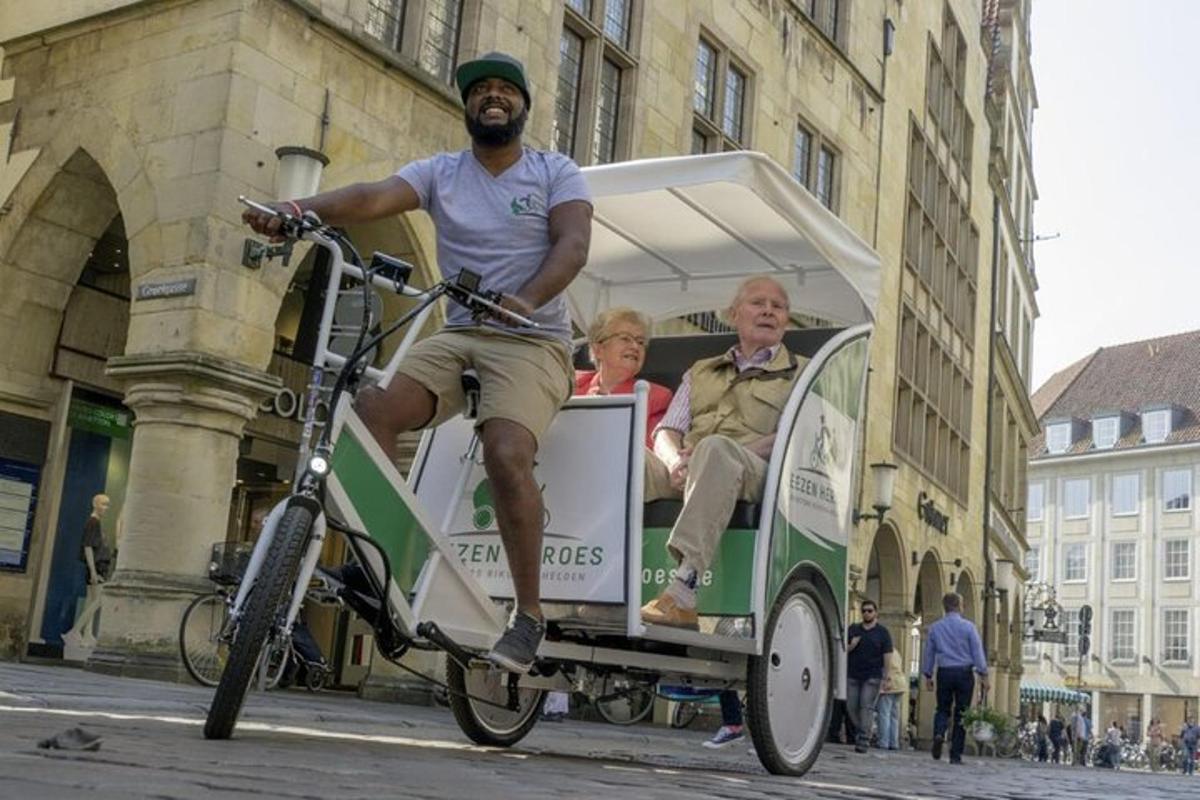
<point>319,464</point>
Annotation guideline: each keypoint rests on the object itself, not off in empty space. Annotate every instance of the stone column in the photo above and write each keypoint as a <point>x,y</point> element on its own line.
<point>190,409</point>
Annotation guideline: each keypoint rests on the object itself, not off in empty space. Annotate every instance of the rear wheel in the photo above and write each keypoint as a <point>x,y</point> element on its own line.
<point>201,643</point>
<point>789,695</point>
<point>266,602</point>
<point>483,723</point>
<point>685,713</point>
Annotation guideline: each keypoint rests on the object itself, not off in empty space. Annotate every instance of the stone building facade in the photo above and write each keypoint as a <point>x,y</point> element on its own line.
<point>1113,525</point>
<point>133,127</point>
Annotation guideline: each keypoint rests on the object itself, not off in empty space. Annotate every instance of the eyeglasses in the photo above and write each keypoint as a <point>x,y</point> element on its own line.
<point>625,338</point>
<point>868,611</point>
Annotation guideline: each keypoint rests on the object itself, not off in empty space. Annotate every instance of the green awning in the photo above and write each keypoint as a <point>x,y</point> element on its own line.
<point>1045,693</point>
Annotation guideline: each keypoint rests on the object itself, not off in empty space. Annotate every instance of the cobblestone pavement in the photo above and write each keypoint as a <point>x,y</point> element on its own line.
<point>329,745</point>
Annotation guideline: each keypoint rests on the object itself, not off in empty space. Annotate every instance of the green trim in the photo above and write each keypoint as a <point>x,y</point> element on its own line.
<point>382,509</point>
<point>724,589</point>
<point>791,547</point>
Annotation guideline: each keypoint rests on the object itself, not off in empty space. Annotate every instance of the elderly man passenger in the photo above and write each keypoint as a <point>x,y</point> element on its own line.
<point>712,446</point>
<point>617,342</point>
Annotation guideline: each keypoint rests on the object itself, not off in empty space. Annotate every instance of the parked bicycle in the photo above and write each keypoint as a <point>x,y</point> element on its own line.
<point>204,628</point>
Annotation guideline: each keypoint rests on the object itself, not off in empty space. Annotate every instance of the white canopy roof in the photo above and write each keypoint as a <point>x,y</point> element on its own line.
<point>676,235</point>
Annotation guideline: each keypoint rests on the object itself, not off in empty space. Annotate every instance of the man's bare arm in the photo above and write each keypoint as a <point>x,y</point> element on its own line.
<point>358,202</point>
<point>570,237</point>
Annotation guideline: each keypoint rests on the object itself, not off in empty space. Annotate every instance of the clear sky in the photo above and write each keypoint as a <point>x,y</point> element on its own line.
<point>1116,159</point>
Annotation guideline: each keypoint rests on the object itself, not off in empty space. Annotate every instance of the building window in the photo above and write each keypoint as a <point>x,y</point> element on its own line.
<point>720,99</point>
<point>1068,623</point>
<point>826,15</point>
<point>1058,437</point>
<point>946,92</point>
<point>1076,498</point>
<point>1121,635</point>
<point>566,105</point>
<point>1177,641</point>
<point>439,45</point>
<point>385,21</point>
<point>1035,501</point>
<point>815,165</point>
<point>1126,490</point>
<point>1177,489</point>
<point>1105,432</point>
<point>1029,651</point>
<point>1075,562</point>
<point>936,355</point>
<point>1033,564</point>
<point>432,39</point>
<point>1156,426</point>
<point>595,72</point>
<point>1177,559</point>
<point>1124,561</point>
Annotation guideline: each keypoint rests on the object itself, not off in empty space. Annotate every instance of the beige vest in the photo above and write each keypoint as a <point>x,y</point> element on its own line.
<point>745,407</point>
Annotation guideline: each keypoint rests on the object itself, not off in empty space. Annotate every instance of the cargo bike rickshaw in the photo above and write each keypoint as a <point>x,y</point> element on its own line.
<point>671,237</point>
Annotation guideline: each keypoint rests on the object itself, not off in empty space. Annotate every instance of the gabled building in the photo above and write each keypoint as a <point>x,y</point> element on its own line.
<point>1112,524</point>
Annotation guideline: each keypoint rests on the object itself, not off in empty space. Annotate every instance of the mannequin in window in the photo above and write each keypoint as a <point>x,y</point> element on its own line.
<point>97,559</point>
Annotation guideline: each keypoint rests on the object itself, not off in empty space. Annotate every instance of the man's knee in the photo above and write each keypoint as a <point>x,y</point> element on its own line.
<point>508,450</point>
<point>405,405</point>
<point>717,446</point>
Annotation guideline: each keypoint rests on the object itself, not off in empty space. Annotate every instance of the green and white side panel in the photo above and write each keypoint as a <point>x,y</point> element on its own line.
<point>372,497</point>
<point>814,489</point>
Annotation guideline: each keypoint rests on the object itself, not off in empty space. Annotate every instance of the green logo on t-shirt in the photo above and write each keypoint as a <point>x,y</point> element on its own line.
<point>530,204</point>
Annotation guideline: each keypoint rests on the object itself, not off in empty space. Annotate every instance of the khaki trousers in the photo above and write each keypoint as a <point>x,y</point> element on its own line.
<point>720,473</point>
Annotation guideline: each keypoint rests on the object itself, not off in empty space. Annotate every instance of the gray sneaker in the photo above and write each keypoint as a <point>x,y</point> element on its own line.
<point>518,645</point>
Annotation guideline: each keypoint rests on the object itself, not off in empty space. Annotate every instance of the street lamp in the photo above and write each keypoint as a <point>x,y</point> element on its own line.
<point>883,478</point>
<point>299,171</point>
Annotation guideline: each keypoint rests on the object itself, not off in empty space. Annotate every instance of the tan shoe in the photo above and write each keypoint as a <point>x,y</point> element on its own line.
<point>665,610</point>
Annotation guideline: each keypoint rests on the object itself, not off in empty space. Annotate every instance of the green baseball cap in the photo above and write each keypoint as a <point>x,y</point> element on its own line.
<point>492,65</point>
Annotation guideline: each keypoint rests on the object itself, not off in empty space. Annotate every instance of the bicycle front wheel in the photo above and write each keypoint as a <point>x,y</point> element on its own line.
<point>264,605</point>
<point>201,643</point>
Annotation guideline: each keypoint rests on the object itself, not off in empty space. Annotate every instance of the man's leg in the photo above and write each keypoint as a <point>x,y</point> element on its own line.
<point>720,473</point>
<point>868,696</point>
<point>945,704</point>
<point>854,691</point>
<point>508,453</point>
<point>404,406</point>
<point>964,688</point>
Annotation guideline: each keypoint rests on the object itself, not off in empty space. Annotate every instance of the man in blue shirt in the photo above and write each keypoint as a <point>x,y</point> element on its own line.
<point>955,649</point>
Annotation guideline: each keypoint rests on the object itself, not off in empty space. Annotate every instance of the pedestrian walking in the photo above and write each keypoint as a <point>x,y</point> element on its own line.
<point>891,700</point>
<point>869,643</point>
<point>1113,738</point>
<point>1043,739</point>
<point>1189,737</point>
<point>1081,734</point>
<point>1058,738</point>
<point>955,649</point>
<point>1154,744</point>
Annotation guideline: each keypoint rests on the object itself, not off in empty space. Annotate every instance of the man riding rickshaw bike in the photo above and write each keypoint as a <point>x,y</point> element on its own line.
<point>715,561</point>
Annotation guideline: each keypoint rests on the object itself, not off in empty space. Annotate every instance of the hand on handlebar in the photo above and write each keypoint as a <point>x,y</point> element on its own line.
<point>270,225</point>
<point>515,304</point>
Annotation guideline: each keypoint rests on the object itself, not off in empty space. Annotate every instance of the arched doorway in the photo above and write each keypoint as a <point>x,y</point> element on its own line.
<point>927,609</point>
<point>965,587</point>
<point>70,257</point>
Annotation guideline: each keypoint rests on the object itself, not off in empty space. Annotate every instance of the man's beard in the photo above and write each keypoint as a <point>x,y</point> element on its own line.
<point>496,135</point>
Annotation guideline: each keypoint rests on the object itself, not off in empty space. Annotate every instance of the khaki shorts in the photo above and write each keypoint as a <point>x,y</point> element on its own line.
<point>524,379</point>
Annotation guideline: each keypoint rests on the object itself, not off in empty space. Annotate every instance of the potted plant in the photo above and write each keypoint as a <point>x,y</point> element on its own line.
<point>985,723</point>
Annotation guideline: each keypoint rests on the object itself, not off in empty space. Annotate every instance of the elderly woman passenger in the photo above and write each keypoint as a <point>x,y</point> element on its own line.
<point>617,346</point>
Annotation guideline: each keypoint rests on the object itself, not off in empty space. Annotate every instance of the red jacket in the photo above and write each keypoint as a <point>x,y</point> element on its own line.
<point>587,383</point>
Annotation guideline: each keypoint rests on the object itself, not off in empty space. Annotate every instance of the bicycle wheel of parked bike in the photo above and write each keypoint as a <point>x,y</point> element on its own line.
<point>201,645</point>
<point>685,714</point>
<point>265,602</point>
<point>625,704</point>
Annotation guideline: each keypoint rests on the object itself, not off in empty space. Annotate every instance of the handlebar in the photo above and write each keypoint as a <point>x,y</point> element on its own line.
<point>463,288</point>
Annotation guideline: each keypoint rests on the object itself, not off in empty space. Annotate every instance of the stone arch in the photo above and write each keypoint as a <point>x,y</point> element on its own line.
<point>47,249</point>
<point>927,609</point>
<point>886,574</point>
<point>965,587</point>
